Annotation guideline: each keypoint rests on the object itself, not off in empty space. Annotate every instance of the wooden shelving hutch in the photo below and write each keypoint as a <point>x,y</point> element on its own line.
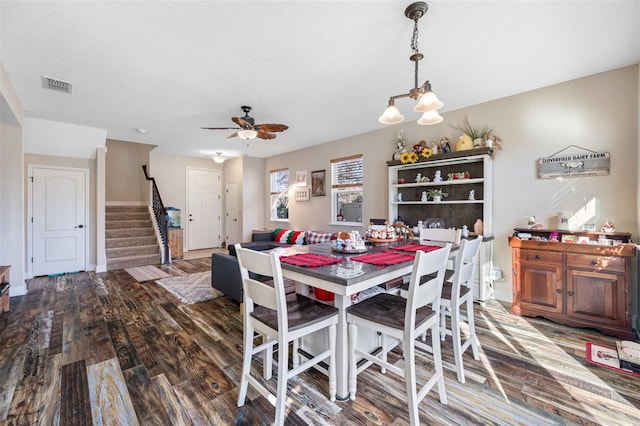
<point>456,210</point>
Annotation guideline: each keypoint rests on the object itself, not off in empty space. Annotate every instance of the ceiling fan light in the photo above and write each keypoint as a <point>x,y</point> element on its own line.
<point>391,115</point>
<point>247,134</point>
<point>428,101</point>
<point>218,158</point>
<point>429,118</point>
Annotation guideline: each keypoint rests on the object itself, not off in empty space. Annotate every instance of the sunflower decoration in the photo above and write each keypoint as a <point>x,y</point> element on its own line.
<point>410,157</point>
<point>426,153</point>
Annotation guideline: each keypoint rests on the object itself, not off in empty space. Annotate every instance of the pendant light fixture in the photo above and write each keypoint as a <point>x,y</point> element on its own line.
<point>218,158</point>
<point>428,103</point>
<point>247,134</point>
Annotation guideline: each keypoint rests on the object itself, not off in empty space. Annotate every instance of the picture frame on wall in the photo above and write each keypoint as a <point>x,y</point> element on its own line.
<point>301,177</point>
<point>317,183</point>
<point>302,193</point>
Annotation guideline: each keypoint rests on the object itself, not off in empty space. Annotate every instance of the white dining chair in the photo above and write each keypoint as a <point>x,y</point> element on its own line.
<point>455,294</point>
<point>440,234</point>
<point>281,320</point>
<point>400,321</point>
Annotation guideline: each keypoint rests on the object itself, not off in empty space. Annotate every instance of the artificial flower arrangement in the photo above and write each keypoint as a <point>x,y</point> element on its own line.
<point>433,193</point>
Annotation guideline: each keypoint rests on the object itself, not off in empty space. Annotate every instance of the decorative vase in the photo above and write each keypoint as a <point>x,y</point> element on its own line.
<point>478,227</point>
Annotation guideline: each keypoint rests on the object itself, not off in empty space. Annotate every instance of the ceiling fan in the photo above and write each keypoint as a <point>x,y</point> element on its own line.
<point>248,129</point>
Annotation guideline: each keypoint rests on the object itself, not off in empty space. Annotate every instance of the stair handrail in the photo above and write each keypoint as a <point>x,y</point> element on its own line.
<point>160,214</point>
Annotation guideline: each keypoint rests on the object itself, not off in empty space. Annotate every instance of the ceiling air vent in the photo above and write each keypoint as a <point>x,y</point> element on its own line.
<point>56,84</point>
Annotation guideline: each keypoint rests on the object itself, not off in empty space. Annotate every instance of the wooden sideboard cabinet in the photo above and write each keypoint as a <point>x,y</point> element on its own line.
<point>176,243</point>
<point>580,285</point>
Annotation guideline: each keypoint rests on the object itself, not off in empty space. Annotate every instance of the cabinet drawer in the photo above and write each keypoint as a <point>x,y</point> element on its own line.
<point>595,262</point>
<point>541,256</point>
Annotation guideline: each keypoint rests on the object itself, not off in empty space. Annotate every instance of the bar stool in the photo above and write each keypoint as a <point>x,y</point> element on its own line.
<point>456,293</point>
<point>402,321</point>
<point>279,320</point>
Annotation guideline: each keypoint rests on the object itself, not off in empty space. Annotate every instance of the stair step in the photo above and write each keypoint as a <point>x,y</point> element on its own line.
<point>110,217</point>
<point>133,232</point>
<point>131,261</point>
<point>126,209</point>
<point>130,241</point>
<point>120,252</point>
<point>127,224</point>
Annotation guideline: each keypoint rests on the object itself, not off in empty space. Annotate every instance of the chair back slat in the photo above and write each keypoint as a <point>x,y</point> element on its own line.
<point>439,234</point>
<point>466,259</point>
<point>428,264</point>
<point>255,291</point>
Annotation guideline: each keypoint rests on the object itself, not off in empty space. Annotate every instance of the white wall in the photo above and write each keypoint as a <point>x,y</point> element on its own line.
<point>170,173</point>
<point>62,139</point>
<point>253,203</point>
<point>598,113</point>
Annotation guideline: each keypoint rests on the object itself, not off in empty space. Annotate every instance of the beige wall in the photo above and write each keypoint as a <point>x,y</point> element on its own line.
<point>125,181</point>
<point>598,113</point>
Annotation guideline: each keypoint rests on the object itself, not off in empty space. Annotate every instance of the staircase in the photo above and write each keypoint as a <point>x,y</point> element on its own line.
<point>130,237</point>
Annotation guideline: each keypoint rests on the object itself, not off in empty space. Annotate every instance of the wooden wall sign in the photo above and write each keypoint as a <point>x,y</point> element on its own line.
<point>574,165</point>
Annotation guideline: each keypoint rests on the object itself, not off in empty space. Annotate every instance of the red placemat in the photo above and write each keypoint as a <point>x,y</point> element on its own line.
<point>384,258</point>
<point>413,247</point>
<point>309,260</point>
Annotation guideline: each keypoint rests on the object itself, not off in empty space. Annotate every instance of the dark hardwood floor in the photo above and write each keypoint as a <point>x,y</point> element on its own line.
<point>105,349</point>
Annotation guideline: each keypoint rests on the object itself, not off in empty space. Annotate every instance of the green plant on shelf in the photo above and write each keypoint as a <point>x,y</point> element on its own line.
<point>436,193</point>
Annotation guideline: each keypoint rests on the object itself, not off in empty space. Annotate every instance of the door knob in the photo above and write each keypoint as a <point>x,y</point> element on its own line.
<point>79,226</point>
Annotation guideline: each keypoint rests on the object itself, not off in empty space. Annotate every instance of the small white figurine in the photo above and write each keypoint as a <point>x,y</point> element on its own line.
<point>465,231</point>
<point>472,194</point>
<point>418,177</point>
<point>424,197</point>
<point>437,177</point>
<point>400,197</point>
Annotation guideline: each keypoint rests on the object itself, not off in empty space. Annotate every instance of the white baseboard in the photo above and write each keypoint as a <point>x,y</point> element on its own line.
<point>17,289</point>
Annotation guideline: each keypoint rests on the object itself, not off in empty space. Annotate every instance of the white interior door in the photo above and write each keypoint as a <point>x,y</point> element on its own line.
<point>233,214</point>
<point>203,211</point>
<point>59,220</point>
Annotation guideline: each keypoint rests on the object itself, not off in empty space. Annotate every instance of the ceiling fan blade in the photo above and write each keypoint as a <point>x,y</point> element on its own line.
<point>242,123</point>
<point>219,128</point>
<point>232,135</point>
<point>265,135</point>
<point>271,127</point>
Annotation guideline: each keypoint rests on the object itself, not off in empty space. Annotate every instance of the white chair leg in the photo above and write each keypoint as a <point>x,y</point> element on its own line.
<point>333,383</point>
<point>410,382</point>
<point>457,342</point>
<point>383,354</point>
<point>281,390</point>
<point>246,364</point>
<point>437,361</point>
<point>353,366</point>
<point>443,323</point>
<point>267,360</point>
<point>472,329</point>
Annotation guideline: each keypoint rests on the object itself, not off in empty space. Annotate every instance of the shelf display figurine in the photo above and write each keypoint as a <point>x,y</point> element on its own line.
<point>472,195</point>
<point>478,227</point>
<point>424,197</point>
<point>465,231</point>
<point>608,227</point>
<point>399,197</point>
<point>438,176</point>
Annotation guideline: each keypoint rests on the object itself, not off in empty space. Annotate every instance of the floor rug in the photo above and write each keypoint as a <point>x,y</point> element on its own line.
<point>605,356</point>
<point>146,273</point>
<point>191,288</point>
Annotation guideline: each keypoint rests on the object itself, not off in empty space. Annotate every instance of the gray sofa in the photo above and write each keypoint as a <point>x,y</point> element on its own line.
<point>225,273</point>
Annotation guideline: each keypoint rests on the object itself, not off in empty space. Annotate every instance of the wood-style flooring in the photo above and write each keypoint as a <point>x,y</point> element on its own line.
<point>104,349</point>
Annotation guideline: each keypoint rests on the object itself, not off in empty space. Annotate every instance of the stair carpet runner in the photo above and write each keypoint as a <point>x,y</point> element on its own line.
<point>130,238</point>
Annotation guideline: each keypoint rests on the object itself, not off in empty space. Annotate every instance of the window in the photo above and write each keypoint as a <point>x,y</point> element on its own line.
<point>279,200</point>
<point>347,176</point>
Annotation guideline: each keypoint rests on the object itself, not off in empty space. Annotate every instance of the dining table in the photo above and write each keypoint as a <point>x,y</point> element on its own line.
<point>347,276</point>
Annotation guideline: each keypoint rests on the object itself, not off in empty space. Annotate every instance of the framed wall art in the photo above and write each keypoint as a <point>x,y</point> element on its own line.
<point>302,193</point>
<point>317,183</point>
<point>301,177</point>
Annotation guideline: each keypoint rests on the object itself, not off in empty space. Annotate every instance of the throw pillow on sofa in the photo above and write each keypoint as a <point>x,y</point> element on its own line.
<point>317,237</point>
<point>287,236</point>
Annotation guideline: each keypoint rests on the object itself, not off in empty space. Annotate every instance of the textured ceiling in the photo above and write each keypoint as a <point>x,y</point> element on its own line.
<point>324,68</point>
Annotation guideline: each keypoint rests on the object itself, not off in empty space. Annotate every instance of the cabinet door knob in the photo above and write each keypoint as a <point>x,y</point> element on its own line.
<point>558,291</point>
<point>569,293</point>
<point>538,256</point>
<point>594,262</point>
